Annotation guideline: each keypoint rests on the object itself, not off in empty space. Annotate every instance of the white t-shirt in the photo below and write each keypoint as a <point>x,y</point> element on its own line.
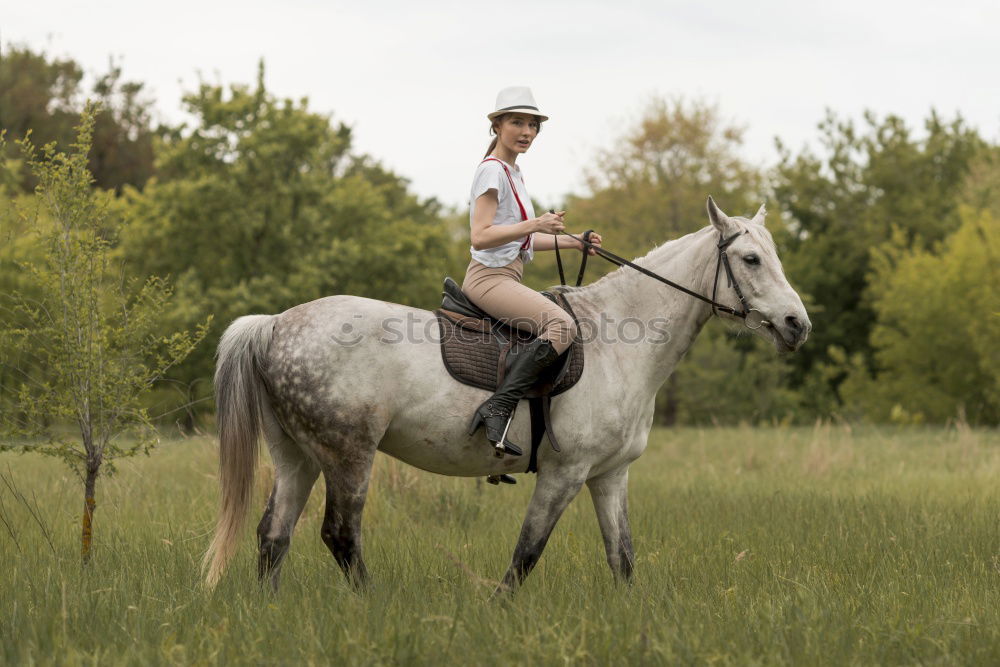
<point>490,174</point>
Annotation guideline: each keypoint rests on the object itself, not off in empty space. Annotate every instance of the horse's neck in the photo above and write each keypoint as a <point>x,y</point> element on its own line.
<point>627,296</point>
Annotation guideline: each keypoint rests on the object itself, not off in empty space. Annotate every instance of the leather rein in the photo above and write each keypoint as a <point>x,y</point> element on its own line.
<point>751,317</point>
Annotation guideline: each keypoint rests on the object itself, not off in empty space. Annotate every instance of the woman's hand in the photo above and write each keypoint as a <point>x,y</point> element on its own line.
<point>550,223</point>
<point>594,239</point>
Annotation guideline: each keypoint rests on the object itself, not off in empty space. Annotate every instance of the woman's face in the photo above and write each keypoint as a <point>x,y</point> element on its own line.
<point>517,131</point>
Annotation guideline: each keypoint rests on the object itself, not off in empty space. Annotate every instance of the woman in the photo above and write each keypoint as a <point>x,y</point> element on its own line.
<point>505,234</point>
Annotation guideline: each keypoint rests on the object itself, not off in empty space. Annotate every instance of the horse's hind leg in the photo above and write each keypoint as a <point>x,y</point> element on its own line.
<point>294,476</point>
<point>346,488</point>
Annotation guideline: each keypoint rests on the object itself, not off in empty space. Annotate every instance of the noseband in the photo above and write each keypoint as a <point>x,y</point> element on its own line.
<point>752,317</point>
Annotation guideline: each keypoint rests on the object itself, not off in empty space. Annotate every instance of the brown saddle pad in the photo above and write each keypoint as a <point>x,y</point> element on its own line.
<point>477,352</point>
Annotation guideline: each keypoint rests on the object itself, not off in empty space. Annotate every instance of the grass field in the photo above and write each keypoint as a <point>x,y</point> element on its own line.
<point>820,545</point>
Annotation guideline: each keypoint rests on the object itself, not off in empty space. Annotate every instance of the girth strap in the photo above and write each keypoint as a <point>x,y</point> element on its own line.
<point>541,423</point>
<point>547,419</point>
<point>537,431</point>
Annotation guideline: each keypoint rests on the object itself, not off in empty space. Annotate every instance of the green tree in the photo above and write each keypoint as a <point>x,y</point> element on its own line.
<point>650,187</point>
<point>261,206</point>
<point>845,203</point>
<point>17,246</point>
<point>42,95</point>
<point>728,378</point>
<point>651,183</point>
<point>982,186</point>
<point>93,335</point>
<point>38,94</point>
<point>938,323</point>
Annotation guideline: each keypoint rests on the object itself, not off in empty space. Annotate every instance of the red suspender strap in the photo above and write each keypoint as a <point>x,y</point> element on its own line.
<point>524,214</point>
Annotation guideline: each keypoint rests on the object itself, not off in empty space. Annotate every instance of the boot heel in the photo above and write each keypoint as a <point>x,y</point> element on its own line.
<point>477,421</point>
<point>512,449</point>
<point>496,479</point>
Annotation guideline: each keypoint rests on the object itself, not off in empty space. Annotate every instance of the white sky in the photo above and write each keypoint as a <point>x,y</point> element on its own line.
<point>415,80</point>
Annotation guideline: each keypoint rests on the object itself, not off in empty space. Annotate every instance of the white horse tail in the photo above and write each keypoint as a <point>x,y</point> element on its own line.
<point>239,392</point>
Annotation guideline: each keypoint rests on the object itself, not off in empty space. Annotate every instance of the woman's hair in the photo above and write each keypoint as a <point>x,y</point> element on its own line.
<point>494,124</point>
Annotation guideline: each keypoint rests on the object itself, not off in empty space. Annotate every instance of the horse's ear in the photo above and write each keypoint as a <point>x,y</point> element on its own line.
<point>760,215</point>
<point>719,219</point>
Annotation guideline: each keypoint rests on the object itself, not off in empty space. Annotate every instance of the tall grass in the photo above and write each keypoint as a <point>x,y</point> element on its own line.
<point>804,546</point>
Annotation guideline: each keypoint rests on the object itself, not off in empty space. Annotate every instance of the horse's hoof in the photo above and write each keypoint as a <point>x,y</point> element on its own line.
<point>502,593</point>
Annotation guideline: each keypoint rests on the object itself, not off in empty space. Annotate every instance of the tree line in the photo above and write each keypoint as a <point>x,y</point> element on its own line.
<point>888,232</point>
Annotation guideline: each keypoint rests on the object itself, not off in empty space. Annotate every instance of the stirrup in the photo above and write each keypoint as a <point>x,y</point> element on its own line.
<point>503,445</point>
<point>508,447</point>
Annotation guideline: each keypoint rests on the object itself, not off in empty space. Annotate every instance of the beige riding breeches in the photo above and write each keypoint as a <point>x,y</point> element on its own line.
<point>500,293</point>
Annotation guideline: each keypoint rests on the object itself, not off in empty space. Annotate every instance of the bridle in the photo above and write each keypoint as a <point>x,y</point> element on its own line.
<point>751,317</point>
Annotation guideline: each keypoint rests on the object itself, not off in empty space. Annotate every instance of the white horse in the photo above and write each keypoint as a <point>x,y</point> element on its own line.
<point>332,381</point>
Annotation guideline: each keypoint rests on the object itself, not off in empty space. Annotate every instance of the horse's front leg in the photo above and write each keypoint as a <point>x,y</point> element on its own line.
<point>553,493</point>
<point>610,495</point>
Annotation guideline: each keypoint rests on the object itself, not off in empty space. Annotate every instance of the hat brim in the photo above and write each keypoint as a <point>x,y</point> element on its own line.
<point>527,110</point>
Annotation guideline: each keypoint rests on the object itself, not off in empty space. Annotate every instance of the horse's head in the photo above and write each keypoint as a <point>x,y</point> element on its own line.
<point>756,271</point>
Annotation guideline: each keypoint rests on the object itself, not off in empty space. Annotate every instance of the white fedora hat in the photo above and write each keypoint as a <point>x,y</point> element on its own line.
<point>516,99</point>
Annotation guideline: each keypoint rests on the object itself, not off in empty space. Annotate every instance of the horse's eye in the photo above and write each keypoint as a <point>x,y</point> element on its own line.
<point>752,260</point>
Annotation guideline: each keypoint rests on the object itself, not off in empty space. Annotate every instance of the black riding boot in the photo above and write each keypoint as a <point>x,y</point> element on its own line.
<point>496,410</point>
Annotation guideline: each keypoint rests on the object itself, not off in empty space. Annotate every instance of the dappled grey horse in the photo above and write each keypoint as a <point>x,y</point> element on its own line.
<point>329,384</point>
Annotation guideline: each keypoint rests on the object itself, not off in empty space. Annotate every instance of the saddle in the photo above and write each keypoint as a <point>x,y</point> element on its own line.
<point>478,349</point>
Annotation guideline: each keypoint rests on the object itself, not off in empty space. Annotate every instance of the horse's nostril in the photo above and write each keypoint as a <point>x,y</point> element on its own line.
<point>793,323</point>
